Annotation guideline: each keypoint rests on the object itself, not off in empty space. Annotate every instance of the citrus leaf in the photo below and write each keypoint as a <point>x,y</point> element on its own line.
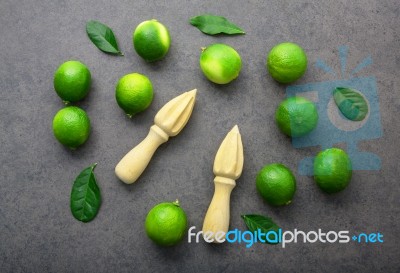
<point>85,196</point>
<point>258,222</point>
<point>103,37</point>
<point>351,103</point>
<point>212,24</point>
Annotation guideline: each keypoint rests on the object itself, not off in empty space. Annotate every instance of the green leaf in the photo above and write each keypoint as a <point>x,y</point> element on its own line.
<point>351,103</point>
<point>103,37</point>
<point>85,196</point>
<point>212,24</point>
<point>258,222</point>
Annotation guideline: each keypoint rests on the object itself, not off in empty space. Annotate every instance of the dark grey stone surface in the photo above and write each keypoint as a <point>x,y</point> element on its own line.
<point>37,230</point>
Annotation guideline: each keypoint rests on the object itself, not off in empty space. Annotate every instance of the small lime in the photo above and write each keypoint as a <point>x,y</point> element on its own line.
<point>220,63</point>
<point>166,224</point>
<point>151,40</point>
<point>71,126</point>
<point>296,116</point>
<point>134,93</point>
<point>286,62</point>
<point>276,184</point>
<point>72,81</point>
<point>332,170</point>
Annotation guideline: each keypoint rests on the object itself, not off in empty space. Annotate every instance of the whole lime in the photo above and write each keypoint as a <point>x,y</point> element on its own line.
<point>71,126</point>
<point>134,93</point>
<point>296,116</point>
<point>72,81</point>
<point>151,40</point>
<point>276,184</point>
<point>166,224</point>
<point>332,170</point>
<point>220,63</point>
<point>286,62</point>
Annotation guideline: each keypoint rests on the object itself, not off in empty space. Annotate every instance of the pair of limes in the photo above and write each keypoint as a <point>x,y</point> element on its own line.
<point>134,92</point>
<point>220,63</point>
<point>286,62</point>
<point>71,125</point>
<point>332,173</point>
<point>295,116</point>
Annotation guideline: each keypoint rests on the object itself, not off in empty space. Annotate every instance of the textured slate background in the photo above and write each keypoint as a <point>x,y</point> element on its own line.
<point>37,231</point>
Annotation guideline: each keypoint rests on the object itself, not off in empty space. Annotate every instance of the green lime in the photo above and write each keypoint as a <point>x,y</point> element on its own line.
<point>332,170</point>
<point>134,93</point>
<point>296,116</point>
<point>276,184</point>
<point>71,126</point>
<point>151,40</point>
<point>166,224</point>
<point>72,81</point>
<point>286,62</point>
<point>220,63</point>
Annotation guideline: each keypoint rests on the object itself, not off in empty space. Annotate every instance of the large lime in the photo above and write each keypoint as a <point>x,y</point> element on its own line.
<point>134,93</point>
<point>166,224</point>
<point>332,170</point>
<point>276,184</point>
<point>296,116</point>
<point>286,62</point>
<point>71,126</point>
<point>151,40</point>
<point>72,81</point>
<point>220,63</point>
